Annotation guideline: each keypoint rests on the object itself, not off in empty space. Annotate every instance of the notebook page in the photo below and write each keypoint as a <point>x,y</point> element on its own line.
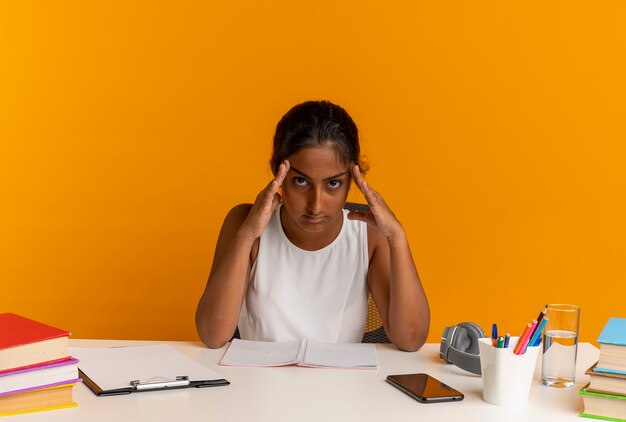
<point>340,355</point>
<point>260,353</point>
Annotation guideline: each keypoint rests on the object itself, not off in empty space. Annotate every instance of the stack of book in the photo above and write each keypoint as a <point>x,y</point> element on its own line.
<point>605,395</point>
<point>36,371</point>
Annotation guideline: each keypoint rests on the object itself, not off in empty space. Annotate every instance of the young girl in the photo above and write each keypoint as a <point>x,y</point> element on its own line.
<point>296,265</point>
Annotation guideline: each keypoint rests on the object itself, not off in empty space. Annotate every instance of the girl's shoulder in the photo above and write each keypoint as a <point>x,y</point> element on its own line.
<point>235,218</point>
<point>238,213</point>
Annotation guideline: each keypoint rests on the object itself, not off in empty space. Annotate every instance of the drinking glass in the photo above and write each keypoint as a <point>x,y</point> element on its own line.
<point>560,346</point>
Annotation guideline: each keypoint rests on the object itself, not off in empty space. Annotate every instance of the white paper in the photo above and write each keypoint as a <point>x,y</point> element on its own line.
<point>261,353</point>
<point>115,367</point>
<point>340,355</point>
<point>305,353</point>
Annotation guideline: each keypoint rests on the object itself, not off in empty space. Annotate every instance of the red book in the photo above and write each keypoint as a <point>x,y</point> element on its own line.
<point>24,342</point>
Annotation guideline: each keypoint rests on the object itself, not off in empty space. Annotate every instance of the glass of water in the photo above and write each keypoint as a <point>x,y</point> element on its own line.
<point>560,346</point>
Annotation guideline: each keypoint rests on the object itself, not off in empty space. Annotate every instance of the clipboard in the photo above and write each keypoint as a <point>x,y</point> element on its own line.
<point>125,370</point>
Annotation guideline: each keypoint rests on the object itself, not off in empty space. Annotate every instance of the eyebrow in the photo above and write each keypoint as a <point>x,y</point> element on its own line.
<point>326,179</point>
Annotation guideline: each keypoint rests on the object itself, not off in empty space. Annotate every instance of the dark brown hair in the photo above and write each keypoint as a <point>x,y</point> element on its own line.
<point>313,123</point>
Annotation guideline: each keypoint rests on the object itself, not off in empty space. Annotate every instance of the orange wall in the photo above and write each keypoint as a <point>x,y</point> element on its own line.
<point>496,131</point>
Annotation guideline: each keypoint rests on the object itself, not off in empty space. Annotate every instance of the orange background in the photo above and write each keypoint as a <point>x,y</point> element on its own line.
<point>495,131</point>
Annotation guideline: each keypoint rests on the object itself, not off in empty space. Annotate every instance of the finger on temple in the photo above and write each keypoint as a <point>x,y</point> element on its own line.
<point>277,181</point>
<point>358,178</point>
<point>282,172</point>
<point>368,192</point>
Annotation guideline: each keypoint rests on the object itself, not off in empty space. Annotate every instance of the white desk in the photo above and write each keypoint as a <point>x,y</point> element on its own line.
<point>317,395</point>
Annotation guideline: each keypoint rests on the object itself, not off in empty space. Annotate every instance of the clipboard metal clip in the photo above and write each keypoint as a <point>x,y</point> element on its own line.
<point>155,383</point>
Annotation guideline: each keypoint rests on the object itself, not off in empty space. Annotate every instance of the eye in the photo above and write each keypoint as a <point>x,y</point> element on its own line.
<point>335,184</point>
<point>300,181</point>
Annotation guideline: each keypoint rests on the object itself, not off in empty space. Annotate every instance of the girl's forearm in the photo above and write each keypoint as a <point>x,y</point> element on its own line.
<point>220,305</point>
<point>409,313</point>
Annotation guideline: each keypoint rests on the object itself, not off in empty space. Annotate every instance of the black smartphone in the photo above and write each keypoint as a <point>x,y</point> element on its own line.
<point>424,388</point>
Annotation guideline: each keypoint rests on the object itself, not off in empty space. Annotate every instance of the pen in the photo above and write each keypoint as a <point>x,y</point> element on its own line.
<point>500,342</point>
<point>507,338</point>
<point>537,334</point>
<point>530,333</point>
<point>494,335</point>
<point>523,337</point>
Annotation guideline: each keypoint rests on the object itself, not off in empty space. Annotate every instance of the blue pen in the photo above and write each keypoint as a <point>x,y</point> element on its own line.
<point>506,340</point>
<point>494,335</point>
<point>537,333</point>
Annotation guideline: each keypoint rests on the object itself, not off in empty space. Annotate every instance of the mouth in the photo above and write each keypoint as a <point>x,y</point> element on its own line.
<point>314,219</point>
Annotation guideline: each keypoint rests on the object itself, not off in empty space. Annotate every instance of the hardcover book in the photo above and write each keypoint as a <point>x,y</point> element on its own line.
<point>41,376</point>
<point>37,400</point>
<point>613,347</point>
<point>25,342</point>
<point>606,382</point>
<point>603,406</point>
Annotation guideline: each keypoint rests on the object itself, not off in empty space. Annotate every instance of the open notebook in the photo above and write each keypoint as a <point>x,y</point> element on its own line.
<point>303,353</point>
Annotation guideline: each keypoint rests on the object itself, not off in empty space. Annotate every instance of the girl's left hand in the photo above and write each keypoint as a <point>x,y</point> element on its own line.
<point>379,215</point>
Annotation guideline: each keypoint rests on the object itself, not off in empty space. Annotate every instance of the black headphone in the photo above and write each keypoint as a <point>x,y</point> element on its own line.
<point>459,346</point>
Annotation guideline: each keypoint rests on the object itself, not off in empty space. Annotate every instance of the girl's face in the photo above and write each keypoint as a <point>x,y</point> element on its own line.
<point>315,189</point>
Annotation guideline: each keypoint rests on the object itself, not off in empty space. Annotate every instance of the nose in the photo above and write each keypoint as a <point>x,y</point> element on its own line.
<point>314,203</point>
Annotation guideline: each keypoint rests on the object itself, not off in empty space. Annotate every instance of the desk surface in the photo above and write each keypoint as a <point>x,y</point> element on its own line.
<point>308,394</point>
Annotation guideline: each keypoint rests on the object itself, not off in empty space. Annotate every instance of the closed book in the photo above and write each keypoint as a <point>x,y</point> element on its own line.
<point>603,406</point>
<point>605,382</point>
<point>25,342</point>
<point>613,347</point>
<point>37,400</point>
<point>41,376</point>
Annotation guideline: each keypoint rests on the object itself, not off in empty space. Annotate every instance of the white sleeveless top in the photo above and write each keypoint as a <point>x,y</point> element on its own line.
<point>318,295</point>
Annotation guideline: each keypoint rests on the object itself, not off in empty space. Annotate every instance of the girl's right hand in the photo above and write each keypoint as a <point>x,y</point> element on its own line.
<point>264,205</point>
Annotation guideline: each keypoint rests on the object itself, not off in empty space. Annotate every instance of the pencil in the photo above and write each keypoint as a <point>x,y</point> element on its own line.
<point>537,333</point>
<point>524,335</point>
<point>525,342</point>
<point>542,314</point>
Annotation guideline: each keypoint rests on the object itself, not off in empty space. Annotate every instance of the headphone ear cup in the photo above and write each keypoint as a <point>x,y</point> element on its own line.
<point>459,346</point>
<point>460,340</point>
<point>472,333</point>
<point>479,331</point>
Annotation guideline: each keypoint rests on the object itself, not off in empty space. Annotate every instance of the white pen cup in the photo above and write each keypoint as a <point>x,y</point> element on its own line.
<point>507,377</point>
